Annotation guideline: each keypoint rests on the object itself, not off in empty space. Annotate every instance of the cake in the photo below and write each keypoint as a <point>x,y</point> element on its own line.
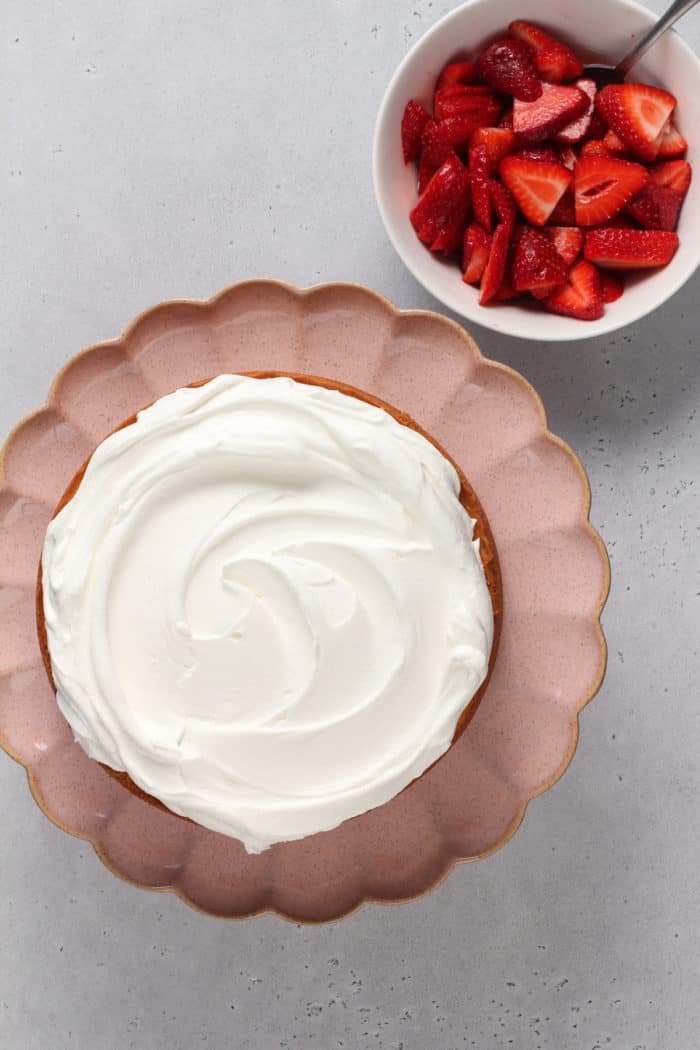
<point>268,603</point>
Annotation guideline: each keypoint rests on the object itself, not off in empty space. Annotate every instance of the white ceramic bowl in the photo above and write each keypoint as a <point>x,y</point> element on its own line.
<point>603,27</point>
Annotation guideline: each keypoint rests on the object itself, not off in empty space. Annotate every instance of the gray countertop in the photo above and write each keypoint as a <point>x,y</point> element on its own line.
<point>154,150</point>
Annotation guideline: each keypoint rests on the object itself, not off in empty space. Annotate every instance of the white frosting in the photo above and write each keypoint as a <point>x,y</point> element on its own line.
<point>265,603</point>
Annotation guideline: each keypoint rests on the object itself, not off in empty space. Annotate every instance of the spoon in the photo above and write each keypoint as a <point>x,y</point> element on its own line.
<point>616,74</point>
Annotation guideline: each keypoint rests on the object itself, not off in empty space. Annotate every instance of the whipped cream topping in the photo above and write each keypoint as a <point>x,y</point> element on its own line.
<point>265,603</point>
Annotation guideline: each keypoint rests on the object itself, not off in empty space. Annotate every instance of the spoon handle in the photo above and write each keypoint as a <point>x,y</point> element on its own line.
<point>678,8</point>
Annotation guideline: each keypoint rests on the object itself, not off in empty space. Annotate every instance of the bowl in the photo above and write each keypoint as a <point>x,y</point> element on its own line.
<point>603,29</point>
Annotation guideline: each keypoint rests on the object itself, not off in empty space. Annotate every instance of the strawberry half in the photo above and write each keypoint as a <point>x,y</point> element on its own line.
<point>435,149</point>
<point>499,142</point>
<point>603,185</point>
<point>578,128</point>
<point>618,249</point>
<point>482,113</point>
<point>480,170</point>
<point>555,61</point>
<point>456,73</point>
<point>442,211</point>
<point>494,272</point>
<point>638,114</point>
<point>415,117</point>
<point>537,186</point>
<point>477,248</point>
<point>672,144</point>
<point>656,207</point>
<point>580,297</point>
<point>509,66</point>
<point>676,174</point>
<point>568,240</point>
<point>537,264</point>
<point>556,107</point>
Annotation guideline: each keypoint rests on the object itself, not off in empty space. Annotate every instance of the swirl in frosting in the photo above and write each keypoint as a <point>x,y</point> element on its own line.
<point>265,604</point>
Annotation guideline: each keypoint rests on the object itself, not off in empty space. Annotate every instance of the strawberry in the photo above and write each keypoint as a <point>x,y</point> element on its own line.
<point>537,186</point>
<point>578,129</point>
<point>614,143</point>
<point>499,142</point>
<point>672,144</point>
<point>555,62</point>
<point>555,108</point>
<point>495,269</point>
<point>618,249</point>
<point>568,157</point>
<point>442,210</point>
<point>504,204</point>
<point>415,117</point>
<point>457,99</point>
<point>509,66</point>
<point>597,128</point>
<point>568,240</point>
<point>435,149</point>
<point>480,169</point>
<point>482,114</point>
<point>611,288</point>
<point>544,153</point>
<point>537,263</point>
<point>637,113</point>
<point>456,73</point>
<point>676,174</point>
<point>656,207</point>
<point>581,296</point>
<point>477,248</point>
<point>595,148</point>
<point>603,185</point>
<point>565,212</point>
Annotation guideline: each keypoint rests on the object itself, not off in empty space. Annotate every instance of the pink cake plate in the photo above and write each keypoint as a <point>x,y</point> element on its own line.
<point>555,578</point>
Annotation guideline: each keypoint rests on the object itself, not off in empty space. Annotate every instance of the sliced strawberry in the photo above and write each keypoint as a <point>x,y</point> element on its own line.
<point>477,248</point>
<point>435,149</point>
<point>494,272</point>
<point>565,212</point>
<point>442,211</point>
<point>568,240</point>
<point>672,144</point>
<point>581,296</point>
<point>556,107</point>
<point>537,186</point>
<point>603,185</point>
<point>484,114</point>
<point>595,148</point>
<point>504,204</point>
<point>614,143</point>
<point>468,99</point>
<point>499,142</point>
<point>597,127</point>
<point>622,221</point>
<point>555,61</point>
<point>509,66</point>
<point>480,170</point>
<point>544,153</point>
<point>537,263</point>
<point>568,157</point>
<point>618,249</point>
<point>637,113</point>
<point>611,288</point>
<point>506,120</point>
<point>676,174</point>
<point>656,207</point>
<point>415,117</point>
<point>456,73</point>
<point>578,129</point>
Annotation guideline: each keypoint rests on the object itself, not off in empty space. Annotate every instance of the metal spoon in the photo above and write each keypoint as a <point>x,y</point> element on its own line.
<point>616,74</point>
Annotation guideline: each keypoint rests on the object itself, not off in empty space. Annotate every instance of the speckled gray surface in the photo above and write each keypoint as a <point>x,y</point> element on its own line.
<point>158,148</point>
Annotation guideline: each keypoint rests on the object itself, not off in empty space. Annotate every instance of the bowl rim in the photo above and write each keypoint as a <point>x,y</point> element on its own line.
<point>501,324</point>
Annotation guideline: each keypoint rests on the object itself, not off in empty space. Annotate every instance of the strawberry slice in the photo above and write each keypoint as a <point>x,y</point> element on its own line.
<point>555,61</point>
<point>595,148</point>
<point>581,297</point>
<point>415,117</point>
<point>556,107</point>
<point>482,114</point>
<point>499,142</point>
<point>603,185</point>
<point>459,99</point>
<point>435,149</point>
<point>480,170</point>
<point>611,288</point>
<point>504,204</point>
<point>537,186</point>
<point>568,240</point>
<point>672,144</point>
<point>618,249</point>
<point>537,263</point>
<point>656,207</point>
<point>676,174</point>
<point>495,269</point>
<point>638,114</point>
<point>477,248</point>
<point>578,129</point>
<point>456,73</point>
<point>442,211</point>
<point>509,66</point>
